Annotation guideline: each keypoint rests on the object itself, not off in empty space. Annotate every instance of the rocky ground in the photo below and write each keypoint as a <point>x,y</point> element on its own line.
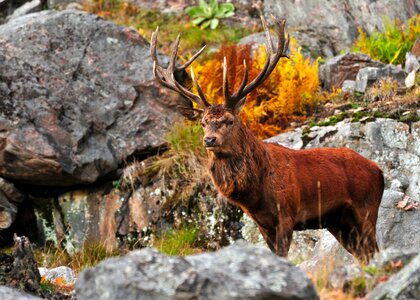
<point>81,123</point>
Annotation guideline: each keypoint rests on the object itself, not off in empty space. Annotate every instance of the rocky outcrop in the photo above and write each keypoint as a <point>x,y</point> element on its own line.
<point>344,67</point>
<point>235,272</point>
<point>396,222</point>
<point>78,98</point>
<point>328,27</point>
<point>394,145</point>
<point>328,253</point>
<point>20,271</point>
<point>403,285</point>
<point>10,197</point>
<point>366,77</point>
<point>116,217</point>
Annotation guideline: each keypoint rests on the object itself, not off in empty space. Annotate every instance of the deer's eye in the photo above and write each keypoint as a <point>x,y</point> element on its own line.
<point>229,122</point>
<point>202,124</point>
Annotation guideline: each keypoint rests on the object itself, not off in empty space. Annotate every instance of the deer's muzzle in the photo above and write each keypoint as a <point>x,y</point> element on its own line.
<point>209,141</point>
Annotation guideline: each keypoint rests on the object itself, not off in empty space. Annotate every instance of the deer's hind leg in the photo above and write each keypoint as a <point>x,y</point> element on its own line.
<point>356,232</point>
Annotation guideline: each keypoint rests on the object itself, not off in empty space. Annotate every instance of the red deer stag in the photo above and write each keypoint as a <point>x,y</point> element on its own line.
<point>279,188</point>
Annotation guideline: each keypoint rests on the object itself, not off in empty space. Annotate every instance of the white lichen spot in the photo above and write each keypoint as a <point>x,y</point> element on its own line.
<point>111,40</point>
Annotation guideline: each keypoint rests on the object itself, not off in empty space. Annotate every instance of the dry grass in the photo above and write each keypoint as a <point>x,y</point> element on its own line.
<point>326,294</point>
<point>383,90</point>
<point>89,256</point>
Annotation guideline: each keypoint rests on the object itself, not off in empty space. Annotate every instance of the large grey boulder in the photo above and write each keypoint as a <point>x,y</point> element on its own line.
<point>328,27</point>
<point>78,98</point>
<point>235,272</point>
<point>397,227</point>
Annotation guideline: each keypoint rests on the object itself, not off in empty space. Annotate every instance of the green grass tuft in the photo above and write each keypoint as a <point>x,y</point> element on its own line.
<point>181,241</point>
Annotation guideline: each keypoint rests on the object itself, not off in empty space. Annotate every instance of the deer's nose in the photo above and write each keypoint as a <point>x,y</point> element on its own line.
<point>209,141</point>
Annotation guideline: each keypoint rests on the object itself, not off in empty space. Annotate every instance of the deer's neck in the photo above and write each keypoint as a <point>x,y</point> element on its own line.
<point>241,170</point>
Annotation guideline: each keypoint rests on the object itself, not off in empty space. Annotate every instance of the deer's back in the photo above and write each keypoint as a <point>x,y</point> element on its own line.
<point>328,177</point>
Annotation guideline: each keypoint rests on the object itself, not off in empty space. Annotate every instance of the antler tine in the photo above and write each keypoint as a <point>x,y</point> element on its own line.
<point>282,42</point>
<point>230,101</point>
<point>269,42</point>
<point>244,80</point>
<point>166,77</point>
<point>190,61</point>
<point>172,62</point>
<point>153,44</point>
<point>197,86</point>
<point>225,80</point>
<point>160,79</point>
<point>273,56</point>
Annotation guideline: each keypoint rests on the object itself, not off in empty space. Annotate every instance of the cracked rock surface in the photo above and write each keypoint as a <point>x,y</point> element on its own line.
<point>77,98</point>
<point>327,27</point>
<point>240,271</point>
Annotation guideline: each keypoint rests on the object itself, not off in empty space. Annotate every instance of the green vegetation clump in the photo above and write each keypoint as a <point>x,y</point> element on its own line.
<point>359,286</point>
<point>333,120</point>
<point>208,14</point>
<point>181,241</point>
<point>409,118</point>
<point>47,287</point>
<point>186,154</point>
<point>145,21</point>
<point>359,115</point>
<point>392,45</point>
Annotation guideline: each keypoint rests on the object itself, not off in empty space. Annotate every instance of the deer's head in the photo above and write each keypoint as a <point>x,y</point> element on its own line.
<point>220,122</point>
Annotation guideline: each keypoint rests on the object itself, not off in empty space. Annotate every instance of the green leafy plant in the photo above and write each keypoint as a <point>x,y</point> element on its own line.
<point>208,14</point>
<point>392,45</point>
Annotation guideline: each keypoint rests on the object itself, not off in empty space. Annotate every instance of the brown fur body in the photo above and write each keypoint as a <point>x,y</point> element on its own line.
<point>284,190</point>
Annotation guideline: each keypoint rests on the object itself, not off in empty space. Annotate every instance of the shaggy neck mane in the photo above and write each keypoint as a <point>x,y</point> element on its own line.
<point>243,168</point>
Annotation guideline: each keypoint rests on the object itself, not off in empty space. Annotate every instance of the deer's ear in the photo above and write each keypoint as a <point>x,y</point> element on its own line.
<point>238,107</point>
<point>190,113</point>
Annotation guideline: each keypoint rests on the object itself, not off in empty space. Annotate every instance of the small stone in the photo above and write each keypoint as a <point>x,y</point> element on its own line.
<point>42,271</point>
<point>66,273</point>
<point>348,86</point>
<point>410,80</point>
<point>411,63</point>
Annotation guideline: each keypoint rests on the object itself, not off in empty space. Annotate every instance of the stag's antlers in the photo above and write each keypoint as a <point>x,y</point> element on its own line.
<point>167,76</point>
<point>273,56</point>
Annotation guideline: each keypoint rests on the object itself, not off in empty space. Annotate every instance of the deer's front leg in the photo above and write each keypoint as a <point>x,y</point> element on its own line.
<point>284,234</point>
